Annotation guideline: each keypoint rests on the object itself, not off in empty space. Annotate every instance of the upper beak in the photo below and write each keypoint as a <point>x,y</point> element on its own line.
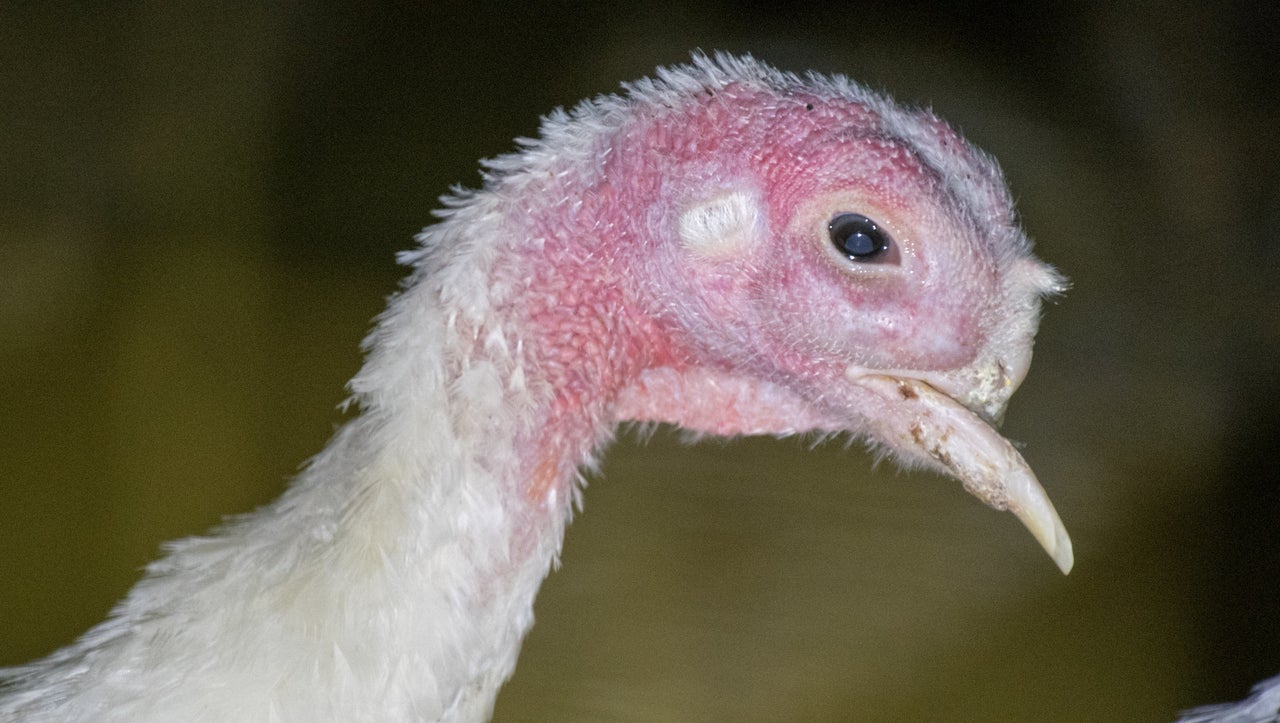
<point>954,431</point>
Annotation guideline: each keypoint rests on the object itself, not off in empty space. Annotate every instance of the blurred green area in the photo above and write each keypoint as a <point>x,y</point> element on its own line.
<point>199,205</point>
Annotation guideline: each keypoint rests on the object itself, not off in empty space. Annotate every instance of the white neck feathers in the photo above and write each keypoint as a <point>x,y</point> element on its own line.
<point>395,579</point>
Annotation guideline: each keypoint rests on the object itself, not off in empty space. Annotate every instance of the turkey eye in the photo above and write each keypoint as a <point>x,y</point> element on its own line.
<point>858,237</point>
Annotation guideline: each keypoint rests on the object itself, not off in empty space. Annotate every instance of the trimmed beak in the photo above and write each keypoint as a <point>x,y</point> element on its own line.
<point>923,423</point>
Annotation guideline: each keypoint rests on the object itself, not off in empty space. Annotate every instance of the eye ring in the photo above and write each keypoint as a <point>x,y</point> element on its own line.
<point>860,239</point>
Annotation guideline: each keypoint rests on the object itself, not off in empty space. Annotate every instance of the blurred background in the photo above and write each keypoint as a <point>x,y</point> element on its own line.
<point>199,207</point>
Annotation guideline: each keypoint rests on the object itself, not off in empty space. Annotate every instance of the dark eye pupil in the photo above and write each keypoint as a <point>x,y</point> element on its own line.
<point>857,236</point>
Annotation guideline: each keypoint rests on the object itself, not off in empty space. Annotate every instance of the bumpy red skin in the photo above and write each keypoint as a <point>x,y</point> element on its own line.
<point>626,324</point>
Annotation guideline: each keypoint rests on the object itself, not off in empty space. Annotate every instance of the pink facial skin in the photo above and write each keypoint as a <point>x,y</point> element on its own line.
<point>767,328</point>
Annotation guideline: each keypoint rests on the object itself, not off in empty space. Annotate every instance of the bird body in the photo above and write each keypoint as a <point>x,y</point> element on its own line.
<point>667,255</point>
<point>1261,706</point>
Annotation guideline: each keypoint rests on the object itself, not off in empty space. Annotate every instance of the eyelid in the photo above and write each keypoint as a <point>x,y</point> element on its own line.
<point>889,257</point>
<point>809,224</point>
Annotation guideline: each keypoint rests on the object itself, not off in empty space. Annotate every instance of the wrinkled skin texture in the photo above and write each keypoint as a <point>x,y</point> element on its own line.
<point>739,314</point>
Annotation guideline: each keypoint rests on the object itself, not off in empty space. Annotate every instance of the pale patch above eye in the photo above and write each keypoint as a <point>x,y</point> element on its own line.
<point>721,227</point>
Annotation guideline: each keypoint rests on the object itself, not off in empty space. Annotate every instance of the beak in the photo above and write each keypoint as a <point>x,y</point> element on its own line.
<point>922,423</point>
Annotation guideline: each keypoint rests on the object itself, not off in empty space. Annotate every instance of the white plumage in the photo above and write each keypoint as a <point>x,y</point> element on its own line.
<point>1262,706</point>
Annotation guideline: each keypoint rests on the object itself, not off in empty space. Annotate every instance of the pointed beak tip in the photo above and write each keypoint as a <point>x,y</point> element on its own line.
<point>1063,556</point>
<point>938,427</point>
<point>1045,525</point>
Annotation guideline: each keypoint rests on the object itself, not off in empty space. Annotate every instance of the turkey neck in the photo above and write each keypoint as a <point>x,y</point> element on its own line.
<point>490,380</point>
<point>395,577</point>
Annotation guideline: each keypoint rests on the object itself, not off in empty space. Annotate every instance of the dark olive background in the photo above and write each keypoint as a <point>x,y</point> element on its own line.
<point>199,206</point>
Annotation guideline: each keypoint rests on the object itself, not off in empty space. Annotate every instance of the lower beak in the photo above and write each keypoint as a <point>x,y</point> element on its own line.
<point>923,423</point>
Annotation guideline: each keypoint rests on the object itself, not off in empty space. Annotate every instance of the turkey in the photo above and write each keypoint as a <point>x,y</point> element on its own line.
<point>724,247</point>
